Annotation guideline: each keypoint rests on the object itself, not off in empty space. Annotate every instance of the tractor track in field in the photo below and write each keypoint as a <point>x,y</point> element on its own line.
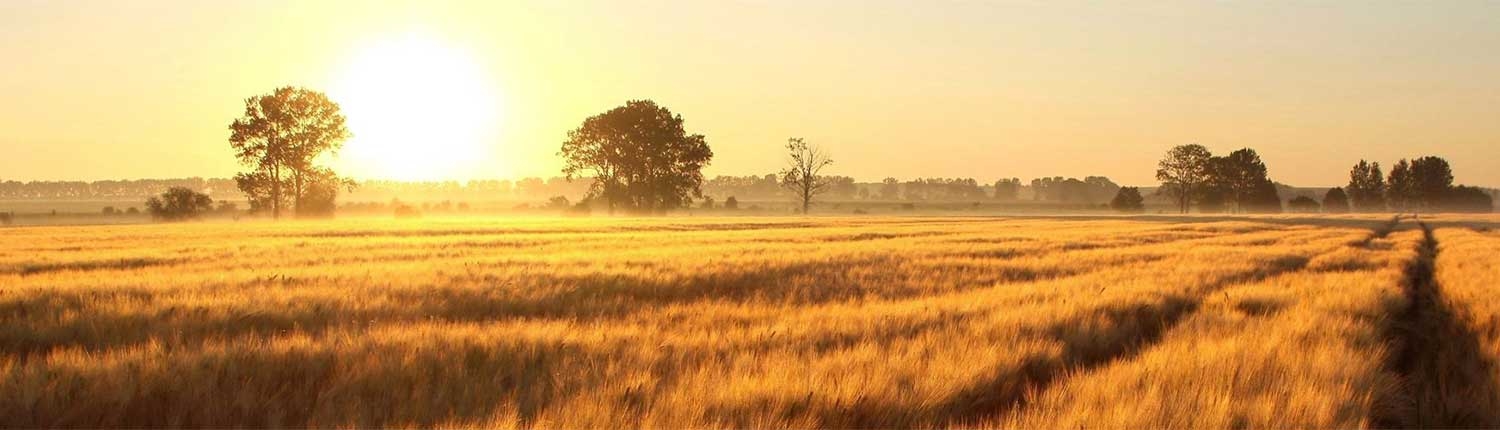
<point>1013,392</point>
<point>1437,357</point>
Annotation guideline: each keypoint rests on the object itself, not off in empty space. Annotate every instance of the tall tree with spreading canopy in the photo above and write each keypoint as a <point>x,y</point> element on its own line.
<point>279,137</point>
<point>803,172</point>
<point>1242,180</point>
<point>1184,172</point>
<point>639,156</point>
<point>1431,181</point>
<point>1366,187</point>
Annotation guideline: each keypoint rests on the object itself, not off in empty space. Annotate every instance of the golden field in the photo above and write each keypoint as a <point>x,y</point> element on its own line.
<point>1040,322</point>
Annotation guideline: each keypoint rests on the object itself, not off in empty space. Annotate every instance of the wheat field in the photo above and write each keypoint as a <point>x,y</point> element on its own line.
<point>865,322</point>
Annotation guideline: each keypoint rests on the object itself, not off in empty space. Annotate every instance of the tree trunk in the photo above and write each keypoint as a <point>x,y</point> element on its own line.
<point>806,198</point>
<point>275,192</point>
<point>296,191</point>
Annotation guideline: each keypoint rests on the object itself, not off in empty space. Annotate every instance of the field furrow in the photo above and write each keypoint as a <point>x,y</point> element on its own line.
<point>849,323</point>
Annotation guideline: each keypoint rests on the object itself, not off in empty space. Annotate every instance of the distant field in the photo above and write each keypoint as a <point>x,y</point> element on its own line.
<point>867,322</point>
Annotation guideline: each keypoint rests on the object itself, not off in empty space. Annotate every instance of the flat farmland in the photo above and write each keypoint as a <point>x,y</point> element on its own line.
<point>1022,322</point>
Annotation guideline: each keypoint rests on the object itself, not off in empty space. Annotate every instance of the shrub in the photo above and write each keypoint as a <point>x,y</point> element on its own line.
<point>178,204</point>
<point>731,203</point>
<point>318,199</point>
<point>1128,199</point>
<point>1304,204</point>
<point>6,218</point>
<point>558,203</point>
<point>109,210</point>
<point>1335,201</point>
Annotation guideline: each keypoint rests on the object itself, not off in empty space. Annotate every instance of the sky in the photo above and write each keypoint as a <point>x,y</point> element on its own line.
<point>984,89</point>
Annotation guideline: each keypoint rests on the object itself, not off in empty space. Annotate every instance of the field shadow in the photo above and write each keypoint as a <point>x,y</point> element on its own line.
<point>1447,378</point>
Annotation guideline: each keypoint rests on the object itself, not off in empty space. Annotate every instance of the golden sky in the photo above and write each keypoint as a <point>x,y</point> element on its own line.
<point>983,89</point>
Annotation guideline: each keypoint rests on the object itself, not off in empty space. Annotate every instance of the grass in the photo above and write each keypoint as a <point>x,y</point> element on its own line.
<point>746,322</point>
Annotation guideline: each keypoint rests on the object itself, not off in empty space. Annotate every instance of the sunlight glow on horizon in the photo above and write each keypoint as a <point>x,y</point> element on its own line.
<point>468,89</point>
<point>419,109</point>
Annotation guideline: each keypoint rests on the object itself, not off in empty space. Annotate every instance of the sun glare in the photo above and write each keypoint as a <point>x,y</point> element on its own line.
<point>419,109</point>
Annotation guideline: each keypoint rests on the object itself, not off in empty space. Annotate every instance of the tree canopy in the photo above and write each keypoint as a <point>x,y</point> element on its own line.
<point>1366,187</point>
<point>1242,182</point>
<point>178,203</point>
<point>279,137</point>
<point>639,156</point>
<point>1128,199</point>
<point>1184,172</point>
<point>1335,201</point>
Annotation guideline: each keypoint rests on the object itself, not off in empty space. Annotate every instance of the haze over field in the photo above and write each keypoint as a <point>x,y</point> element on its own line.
<point>700,214</point>
<point>108,90</point>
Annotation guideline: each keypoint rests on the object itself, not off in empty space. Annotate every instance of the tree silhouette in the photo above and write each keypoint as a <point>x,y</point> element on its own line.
<point>890,189</point>
<point>1241,177</point>
<point>640,157</point>
<point>279,137</point>
<point>1400,189</point>
<point>1431,181</point>
<point>1263,198</point>
<point>1366,187</point>
<point>1335,201</point>
<point>1183,172</point>
<point>1468,199</point>
<point>1008,189</point>
<point>1128,199</point>
<point>803,171</point>
<point>178,203</point>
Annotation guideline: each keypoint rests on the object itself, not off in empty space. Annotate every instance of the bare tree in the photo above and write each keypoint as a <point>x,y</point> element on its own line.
<point>802,174</point>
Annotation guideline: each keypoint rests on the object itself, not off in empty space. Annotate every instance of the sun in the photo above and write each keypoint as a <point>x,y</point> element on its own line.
<point>419,109</point>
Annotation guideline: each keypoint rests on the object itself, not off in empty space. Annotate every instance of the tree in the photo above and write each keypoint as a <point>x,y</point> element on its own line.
<point>1303,204</point>
<point>320,193</point>
<point>1335,201</point>
<point>1431,181</point>
<point>1239,176</point>
<point>1184,172</point>
<point>1008,189</point>
<point>890,189</point>
<point>640,157</point>
<point>731,203</point>
<point>1400,186</point>
<point>279,137</point>
<point>1468,199</point>
<point>1263,198</point>
<point>1128,199</point>
<point>803,171</point>
<point>1366,187</point>
<point>179,203</point>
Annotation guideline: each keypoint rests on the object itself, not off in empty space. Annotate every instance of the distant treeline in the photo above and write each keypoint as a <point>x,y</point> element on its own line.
<point>1093,190</point>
